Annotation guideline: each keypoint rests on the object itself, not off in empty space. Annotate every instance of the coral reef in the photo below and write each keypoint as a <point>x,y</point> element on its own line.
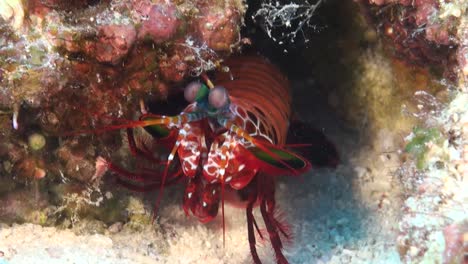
<point>96,44</point>
<point>385,79</point>
<point>70,66</point>
<point>435,207</point>
<point>424,31</point>
<point>67,66</point>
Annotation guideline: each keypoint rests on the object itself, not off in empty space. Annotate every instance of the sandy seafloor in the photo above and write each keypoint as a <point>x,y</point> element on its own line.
<point>329,224</point>
<point>337,216</point>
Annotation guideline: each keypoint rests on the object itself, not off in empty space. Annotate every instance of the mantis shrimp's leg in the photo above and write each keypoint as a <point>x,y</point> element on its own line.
<point>273,233</point>
<point>267,197</point>
<point>258,229</point>
<point>142,181</point>
<point>147,186</point>
<point>250,226</point>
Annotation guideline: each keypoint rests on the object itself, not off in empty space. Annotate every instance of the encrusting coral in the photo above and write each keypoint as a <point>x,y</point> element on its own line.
<point>66,66</point>
<point>424,31</point>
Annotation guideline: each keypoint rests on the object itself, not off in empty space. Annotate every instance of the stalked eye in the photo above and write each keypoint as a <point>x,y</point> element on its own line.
<point>191,91</point>
<point>218,97</point>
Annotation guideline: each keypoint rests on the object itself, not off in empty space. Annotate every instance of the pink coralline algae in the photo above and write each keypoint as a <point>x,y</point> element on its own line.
<point>425,32</point>
<point>218,28</point>
<point>114,42</point>
<point>455,244</point>
<point>173,69</point>
<point>386,2</point>
<point>120,46</point>
<point>42,7</point>
<point>71,63</point>
<point>159,22</point>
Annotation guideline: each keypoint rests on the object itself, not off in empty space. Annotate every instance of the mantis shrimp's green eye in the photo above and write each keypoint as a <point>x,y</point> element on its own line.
<point>218,97</point>
<point>191,91</point>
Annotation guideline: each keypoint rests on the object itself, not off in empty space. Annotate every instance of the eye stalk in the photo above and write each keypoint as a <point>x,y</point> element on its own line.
<point>191,91</point>
<point>218,97</point>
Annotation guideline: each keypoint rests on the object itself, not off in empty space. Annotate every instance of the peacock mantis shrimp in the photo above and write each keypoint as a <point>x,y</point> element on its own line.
<point>232,137</point>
